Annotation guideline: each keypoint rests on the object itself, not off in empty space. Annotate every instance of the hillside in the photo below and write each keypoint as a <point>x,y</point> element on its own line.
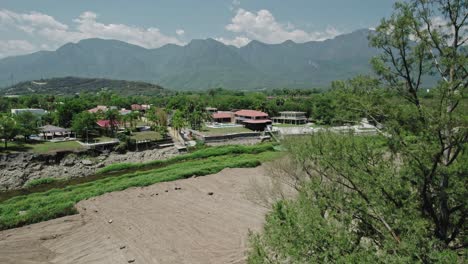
<point>201,64</point>
<point>74,85</point>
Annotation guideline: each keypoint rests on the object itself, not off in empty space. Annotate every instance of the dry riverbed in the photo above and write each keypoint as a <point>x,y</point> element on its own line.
<point>197,220</point>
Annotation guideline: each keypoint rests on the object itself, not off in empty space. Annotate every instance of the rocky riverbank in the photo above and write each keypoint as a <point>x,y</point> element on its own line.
<point>17,169</point>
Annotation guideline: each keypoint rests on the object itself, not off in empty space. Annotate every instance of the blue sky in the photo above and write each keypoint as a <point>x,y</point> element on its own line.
<point>30,25</point>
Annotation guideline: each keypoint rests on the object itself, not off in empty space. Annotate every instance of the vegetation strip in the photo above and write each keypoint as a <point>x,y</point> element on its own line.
<point>37,207</point>
<point>199,154</point>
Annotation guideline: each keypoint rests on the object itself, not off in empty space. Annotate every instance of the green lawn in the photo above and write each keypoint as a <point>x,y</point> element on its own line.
<point>287,125</point>
<point>42,206</point>
<point>43,147</point>
<point>101,139</point>
<point>146,135</point>
<point>208,131</point>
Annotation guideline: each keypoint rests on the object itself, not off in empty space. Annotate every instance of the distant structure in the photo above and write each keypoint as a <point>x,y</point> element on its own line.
<point>223,117</point>
<point>34,111</point>
<point>101,108</point>
<point>124,111</point>
<point>211,110</point>
<point>106,124</point>
<point>138,107</point>
<point>252,119</point>
<point>291,117</point>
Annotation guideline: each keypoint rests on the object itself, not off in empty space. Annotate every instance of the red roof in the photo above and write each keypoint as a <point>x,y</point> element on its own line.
<point>106,123</point>
<point>257,121</point>
<point>136,107</point>
<point>251,113</point>
<point>222,115</point>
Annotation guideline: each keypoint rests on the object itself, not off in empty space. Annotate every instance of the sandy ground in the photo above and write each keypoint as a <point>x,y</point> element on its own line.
<point>155,224</point>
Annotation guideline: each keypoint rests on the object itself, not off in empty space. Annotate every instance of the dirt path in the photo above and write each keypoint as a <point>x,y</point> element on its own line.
<point>155,224</point>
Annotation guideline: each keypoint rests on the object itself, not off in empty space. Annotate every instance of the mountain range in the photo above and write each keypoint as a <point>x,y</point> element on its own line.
<point>201,64</point>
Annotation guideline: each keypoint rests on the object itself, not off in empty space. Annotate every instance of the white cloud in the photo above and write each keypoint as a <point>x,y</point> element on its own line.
<point>263,26</point>
<point>52,33</point>
<point>15,47</point>
<point>237,41</point>
<point>180,32</point>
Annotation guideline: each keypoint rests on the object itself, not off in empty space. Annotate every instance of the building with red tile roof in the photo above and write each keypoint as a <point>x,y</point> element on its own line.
<point>107,123</point>
<point>252,119</point>
<point>223,117</point>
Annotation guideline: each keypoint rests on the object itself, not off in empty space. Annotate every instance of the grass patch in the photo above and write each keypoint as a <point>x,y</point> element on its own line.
<point>146,135</point>
<point>37,182</point>
<point>209,131</point>
<point>199,154</point>
<point>44,147</point>
<point>36,207</point>
<point>289,125</point>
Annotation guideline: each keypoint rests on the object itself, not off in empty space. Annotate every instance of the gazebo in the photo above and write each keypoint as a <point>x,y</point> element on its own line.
<point>50,131</point>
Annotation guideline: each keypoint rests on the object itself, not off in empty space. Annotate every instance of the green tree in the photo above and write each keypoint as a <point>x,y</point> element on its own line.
<point>27,124</point>
<point>178,121</point>
<point>83,124</point>
<point>114,118</point>
<point>416,44</point>
<point>8,129</point>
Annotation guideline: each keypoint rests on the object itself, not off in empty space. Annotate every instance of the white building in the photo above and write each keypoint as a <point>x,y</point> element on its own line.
<point>34,111</point>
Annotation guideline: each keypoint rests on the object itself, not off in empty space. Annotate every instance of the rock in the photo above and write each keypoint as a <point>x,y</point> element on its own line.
<point>22,212</point>
<point>131,260</point>
<point>210,193</point>
<point>48,237</point>
<point>110,221</point>
<point>100,165</point>
<point>87,162</point>
<point>38,167</point>
<point>69,161</point>
<point>166,190</point>
<point>122,247</point>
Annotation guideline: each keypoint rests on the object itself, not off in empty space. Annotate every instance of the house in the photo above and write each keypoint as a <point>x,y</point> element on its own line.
<point>124,111</point>
<point>211,110</point>
<point>291,117</point>
<point>51,132</point>
<point>99,108</point>
<point>223,117</point>
<point>107,124</point>
<point>252,119</point>
<point>34,111</point>
<point>138,107</point>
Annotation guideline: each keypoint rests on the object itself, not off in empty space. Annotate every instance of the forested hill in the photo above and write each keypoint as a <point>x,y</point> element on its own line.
<point>201,64</point>
<point>74,85</point>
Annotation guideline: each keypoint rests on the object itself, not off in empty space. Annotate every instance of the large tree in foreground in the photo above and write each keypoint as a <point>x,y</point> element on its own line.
<point>395,198</point>
<point>429,37</point>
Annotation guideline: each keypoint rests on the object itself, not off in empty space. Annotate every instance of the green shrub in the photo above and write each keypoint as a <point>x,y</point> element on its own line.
<point>42,181</point>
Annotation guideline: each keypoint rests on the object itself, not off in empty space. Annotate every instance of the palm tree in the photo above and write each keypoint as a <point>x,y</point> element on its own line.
<point>114,117</point>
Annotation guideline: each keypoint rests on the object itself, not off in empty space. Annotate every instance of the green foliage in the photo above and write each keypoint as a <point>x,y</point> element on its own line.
<point>355,205</point>
<point>178,121</point>
<point>199,154</point>
<point>41,181</point>
<point>8,129</point>
<point>27,124</point>
<point>83,124</point>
